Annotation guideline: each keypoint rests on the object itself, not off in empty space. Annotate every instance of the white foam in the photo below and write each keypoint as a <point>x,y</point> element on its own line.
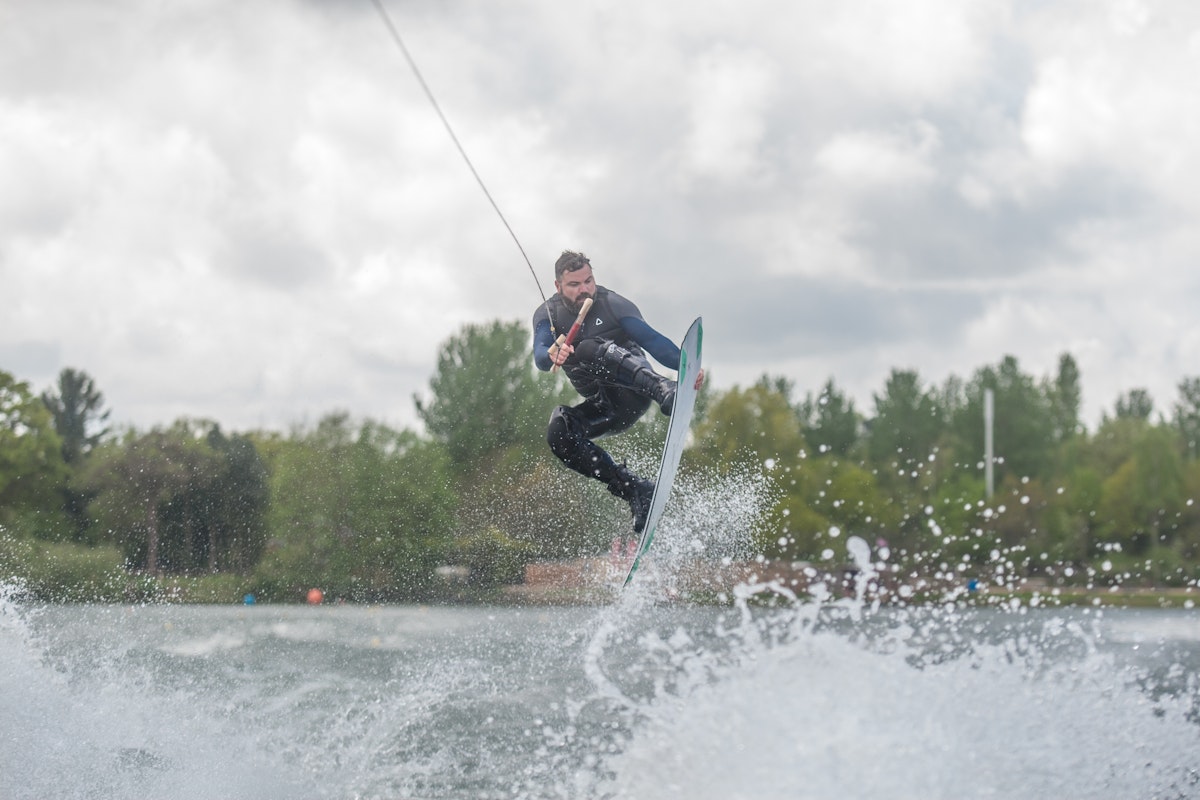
<point>797,707</point>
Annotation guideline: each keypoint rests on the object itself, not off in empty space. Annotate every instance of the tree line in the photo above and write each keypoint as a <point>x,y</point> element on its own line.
<point>368,512</point>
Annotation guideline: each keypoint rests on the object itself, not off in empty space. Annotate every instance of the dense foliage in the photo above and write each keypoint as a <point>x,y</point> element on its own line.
<point>371,513</point>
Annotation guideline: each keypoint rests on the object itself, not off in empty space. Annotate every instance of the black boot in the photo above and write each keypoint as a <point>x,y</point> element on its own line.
<point>637,491</point>
<point>636,373</point>
<point>659,389</point>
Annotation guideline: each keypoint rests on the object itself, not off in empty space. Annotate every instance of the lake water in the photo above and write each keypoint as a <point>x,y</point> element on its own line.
<point>638,699</point>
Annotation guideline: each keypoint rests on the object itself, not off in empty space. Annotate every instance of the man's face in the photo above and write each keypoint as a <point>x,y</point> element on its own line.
<point>575,286</point>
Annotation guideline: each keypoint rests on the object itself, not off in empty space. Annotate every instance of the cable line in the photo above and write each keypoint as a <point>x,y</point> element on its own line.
<point>387,20</point>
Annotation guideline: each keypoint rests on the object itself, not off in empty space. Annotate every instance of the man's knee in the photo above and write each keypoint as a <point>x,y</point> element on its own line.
<point>563,432</point>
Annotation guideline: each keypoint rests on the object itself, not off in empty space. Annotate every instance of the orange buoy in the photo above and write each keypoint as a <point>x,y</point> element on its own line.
<point>315,596</point>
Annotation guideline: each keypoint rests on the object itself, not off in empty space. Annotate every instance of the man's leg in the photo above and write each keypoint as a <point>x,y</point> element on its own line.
<point>636,373</point>
<point>625,369</point>
<point>569,436</point>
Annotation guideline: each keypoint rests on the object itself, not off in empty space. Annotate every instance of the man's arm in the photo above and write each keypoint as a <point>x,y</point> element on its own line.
<point>542,339</point>
<point>660,347</point>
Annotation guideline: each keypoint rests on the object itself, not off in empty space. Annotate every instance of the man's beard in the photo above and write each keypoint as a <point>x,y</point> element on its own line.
<point>578,303</point>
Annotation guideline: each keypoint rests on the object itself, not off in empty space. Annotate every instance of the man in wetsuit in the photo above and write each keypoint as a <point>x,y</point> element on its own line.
<point>607,365</point>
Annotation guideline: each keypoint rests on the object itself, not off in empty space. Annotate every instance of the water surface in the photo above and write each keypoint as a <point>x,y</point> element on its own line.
<point>641,699</point>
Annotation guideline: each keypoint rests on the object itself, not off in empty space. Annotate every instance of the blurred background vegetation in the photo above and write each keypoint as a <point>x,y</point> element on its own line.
<point>368,513</point>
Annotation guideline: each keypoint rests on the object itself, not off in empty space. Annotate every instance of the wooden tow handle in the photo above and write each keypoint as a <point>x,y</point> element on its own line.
<point>569,336</point>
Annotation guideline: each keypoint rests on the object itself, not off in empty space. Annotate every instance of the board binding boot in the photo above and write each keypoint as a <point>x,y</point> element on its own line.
<point>637,373</point>
<point>638,492</point>
<point>659,389</point>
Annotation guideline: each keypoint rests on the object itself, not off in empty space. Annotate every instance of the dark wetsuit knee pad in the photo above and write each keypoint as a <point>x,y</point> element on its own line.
<point>564,433</point>
<point>572,429</point>
<point>567,435</point>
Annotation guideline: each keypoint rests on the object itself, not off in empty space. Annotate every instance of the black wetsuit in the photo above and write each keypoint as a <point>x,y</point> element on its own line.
<point>608,405</point>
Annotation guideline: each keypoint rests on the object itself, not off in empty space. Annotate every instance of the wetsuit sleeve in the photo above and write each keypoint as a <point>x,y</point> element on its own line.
<point>542,339</point>
<point>663,349</point>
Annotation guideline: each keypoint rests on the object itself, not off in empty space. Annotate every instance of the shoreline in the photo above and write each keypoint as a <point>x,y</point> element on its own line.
<point>598,580</point>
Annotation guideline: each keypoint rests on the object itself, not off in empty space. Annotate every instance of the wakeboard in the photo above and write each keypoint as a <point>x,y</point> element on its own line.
<point>677,430</point>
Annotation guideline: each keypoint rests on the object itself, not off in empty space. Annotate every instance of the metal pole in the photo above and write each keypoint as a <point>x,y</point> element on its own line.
<point>989,455</point>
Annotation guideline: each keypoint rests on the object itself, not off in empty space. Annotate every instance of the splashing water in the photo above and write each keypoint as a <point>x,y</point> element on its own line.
<point>841,699</point>
<point>772,697</point>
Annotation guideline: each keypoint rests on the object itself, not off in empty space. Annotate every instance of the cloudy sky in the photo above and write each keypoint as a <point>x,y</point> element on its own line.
<point>250,212</point>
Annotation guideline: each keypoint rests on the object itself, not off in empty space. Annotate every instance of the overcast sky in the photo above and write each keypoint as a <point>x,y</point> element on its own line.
<point>250,212</point>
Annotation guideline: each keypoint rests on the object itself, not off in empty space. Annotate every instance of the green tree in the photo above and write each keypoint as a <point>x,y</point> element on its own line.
<point>1143,497</point>
<point>907,452</point>
<point>1189,522</point>
<point>831,425</point>
<point>138,479</point>
<point>528,506</point>
<point>1083,488</point>
<point>822,500</point>
<point>1023,429</point>
<point>1135,404</point>
<point>241,498</point>
<point>77,409</point>
<point>1186,417</point>
<point>748,427</point>
<point>216,523</point>
<point>361,510</point>
<point>79,417</point>
<point>1113,444</point>
<point>1065,397</point>
<point>31,464</point>
<point>907,424</point>
<point>950,521</point>
<point>489,407</point>
<point>485,396</point>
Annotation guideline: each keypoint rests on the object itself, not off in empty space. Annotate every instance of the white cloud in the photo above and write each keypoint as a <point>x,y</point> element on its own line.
<point>869,160</point>
<point>1128,17</point>
<point>1070,115</point>
<point>1110,93</point>
<point>920,50</point>
<point>250,211</point>
<point>729,93</point>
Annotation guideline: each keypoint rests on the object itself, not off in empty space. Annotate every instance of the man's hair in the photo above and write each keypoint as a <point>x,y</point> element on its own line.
<point>569,261</point>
